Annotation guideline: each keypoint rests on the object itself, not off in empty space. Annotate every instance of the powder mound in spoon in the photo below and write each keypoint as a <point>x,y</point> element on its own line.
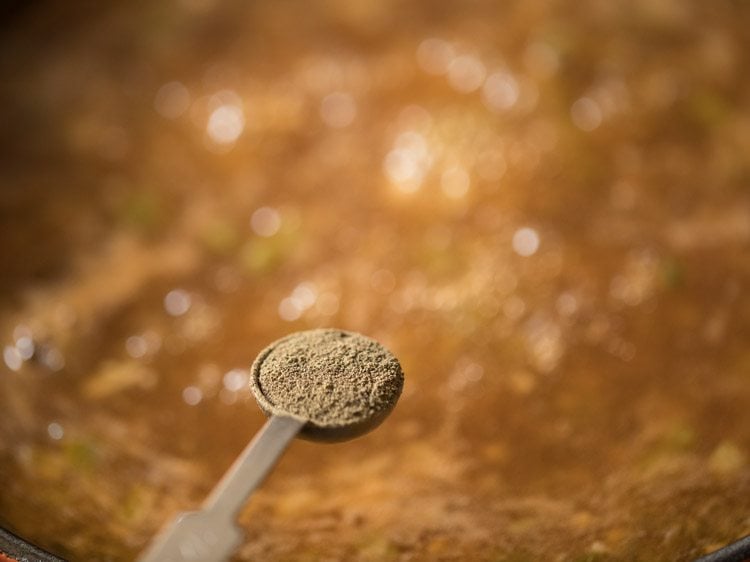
<point>331,377</point>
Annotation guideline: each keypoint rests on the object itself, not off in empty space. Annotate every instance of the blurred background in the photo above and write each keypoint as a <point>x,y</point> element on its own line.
<point>540,206</point>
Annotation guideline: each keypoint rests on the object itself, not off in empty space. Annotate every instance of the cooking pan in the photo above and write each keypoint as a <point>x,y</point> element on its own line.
<point>14,549</point>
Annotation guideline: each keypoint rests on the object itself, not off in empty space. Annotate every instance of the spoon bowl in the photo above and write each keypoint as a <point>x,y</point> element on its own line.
<point>342,384</point>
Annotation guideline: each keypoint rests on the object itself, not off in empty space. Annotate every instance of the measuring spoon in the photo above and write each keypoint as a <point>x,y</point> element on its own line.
<point>322,385</point>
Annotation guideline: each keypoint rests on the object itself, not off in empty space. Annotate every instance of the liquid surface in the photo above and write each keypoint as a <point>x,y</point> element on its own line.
<point>540,207</point>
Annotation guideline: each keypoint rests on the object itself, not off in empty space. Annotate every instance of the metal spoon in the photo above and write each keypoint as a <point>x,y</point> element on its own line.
<point>325,385</point>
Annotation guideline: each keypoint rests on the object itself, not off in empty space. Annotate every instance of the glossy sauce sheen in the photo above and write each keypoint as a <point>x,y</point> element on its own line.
<point>540,208</point>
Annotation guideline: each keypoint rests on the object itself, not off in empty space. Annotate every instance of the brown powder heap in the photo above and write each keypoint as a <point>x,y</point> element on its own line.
<point>330,377</point>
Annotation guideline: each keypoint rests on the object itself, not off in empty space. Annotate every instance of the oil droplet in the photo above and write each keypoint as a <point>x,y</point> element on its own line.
<point>338,110</point>
<point>525,241</point>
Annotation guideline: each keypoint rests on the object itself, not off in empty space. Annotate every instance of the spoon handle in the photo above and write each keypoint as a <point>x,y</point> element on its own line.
<point>252,466</point>
<point>212,535</point>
